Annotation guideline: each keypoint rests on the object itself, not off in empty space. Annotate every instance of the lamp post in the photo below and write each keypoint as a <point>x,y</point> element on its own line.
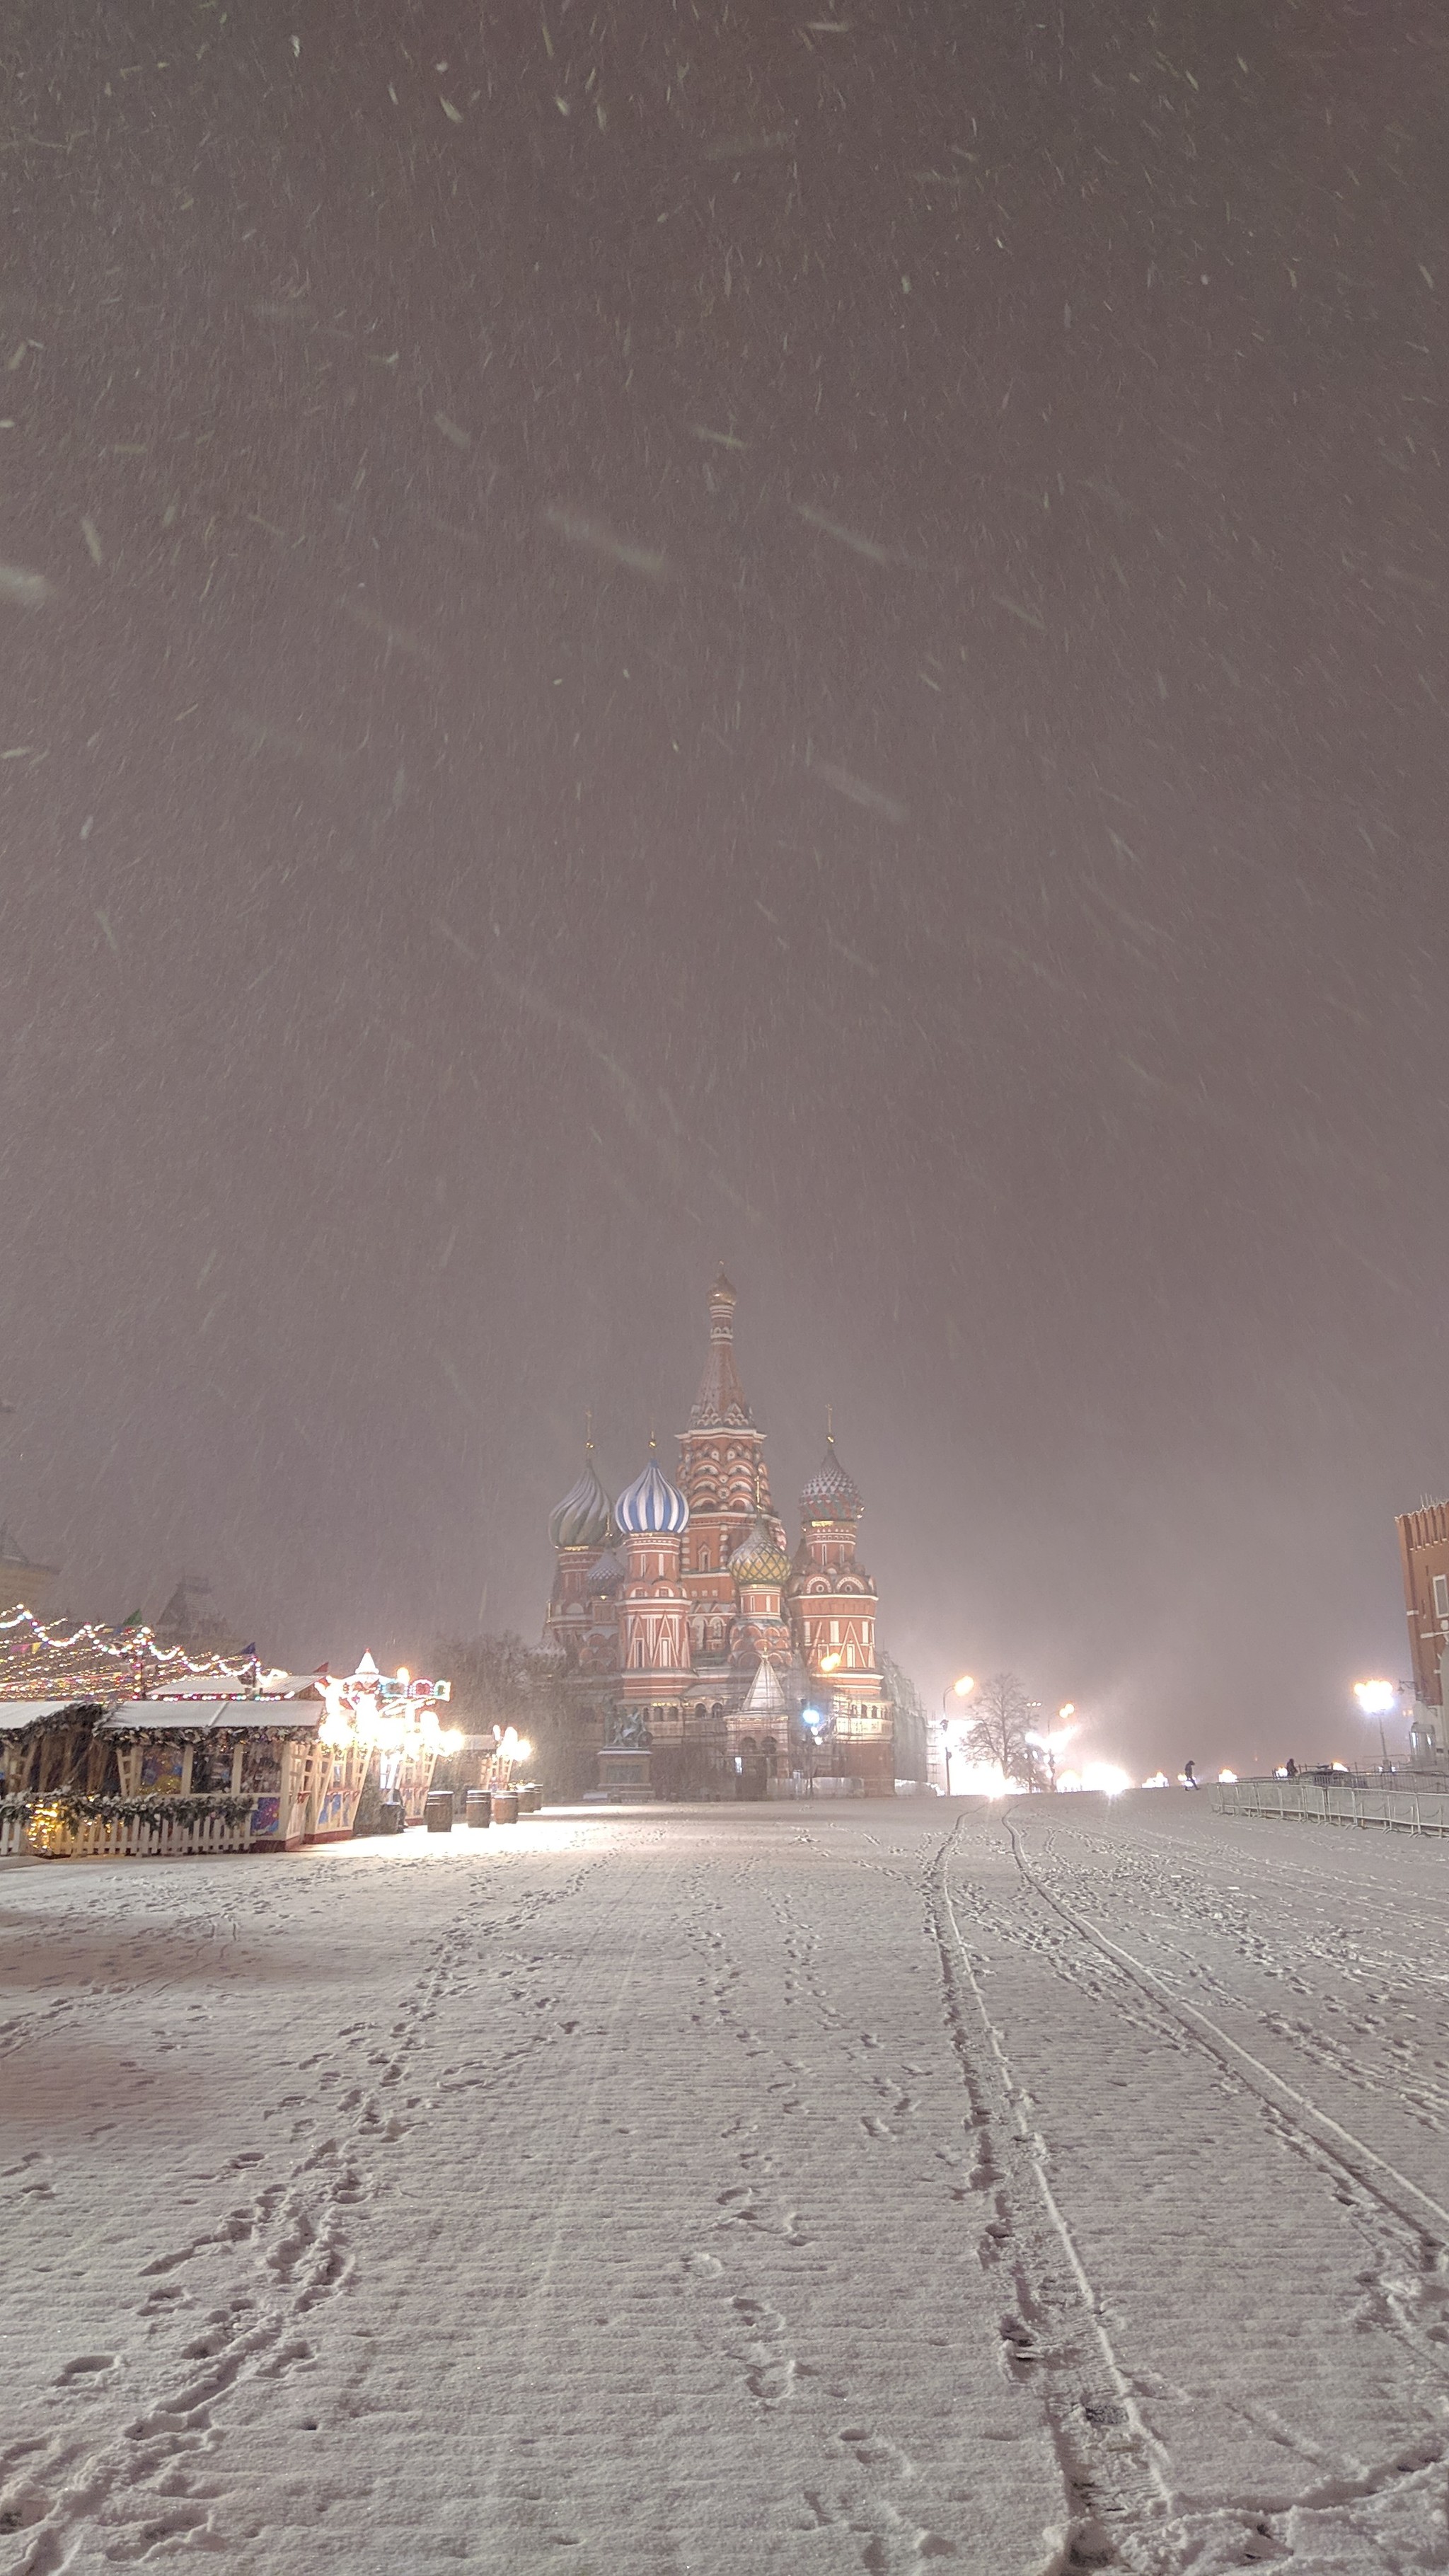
<point>1376,1699</point>
<point>1045,1741</point>
<point>815,1722</point>
<point>960,1689</point>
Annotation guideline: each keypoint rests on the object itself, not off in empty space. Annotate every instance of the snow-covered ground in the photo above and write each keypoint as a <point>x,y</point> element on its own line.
<point>711,2191</point>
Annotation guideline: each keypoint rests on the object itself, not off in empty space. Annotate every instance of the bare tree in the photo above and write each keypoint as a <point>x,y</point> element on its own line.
<point>501,1681</point>
<point>1002,1713</point>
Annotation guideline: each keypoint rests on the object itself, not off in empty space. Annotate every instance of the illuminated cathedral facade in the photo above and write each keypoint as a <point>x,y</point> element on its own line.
<point>701,1658</point>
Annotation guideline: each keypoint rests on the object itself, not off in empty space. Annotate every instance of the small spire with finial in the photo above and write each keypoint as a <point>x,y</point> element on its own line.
<point>588,1427</point>
<point>830,1426</point>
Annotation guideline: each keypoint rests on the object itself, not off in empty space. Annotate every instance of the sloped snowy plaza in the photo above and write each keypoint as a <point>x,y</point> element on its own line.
<point>720,2190</point>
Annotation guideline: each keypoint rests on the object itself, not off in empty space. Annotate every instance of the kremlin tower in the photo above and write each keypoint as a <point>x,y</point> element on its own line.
<point>701,1660</point>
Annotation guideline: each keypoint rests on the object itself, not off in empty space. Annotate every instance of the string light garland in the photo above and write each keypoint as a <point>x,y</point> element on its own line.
<point>85,1660</point>
<point>64,1810</point>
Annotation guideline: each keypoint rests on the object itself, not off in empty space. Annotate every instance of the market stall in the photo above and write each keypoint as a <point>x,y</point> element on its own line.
<point>227,1759</point>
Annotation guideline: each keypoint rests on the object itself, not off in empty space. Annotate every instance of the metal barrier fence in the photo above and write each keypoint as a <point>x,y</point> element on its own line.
<point>1412,1811</point>
<point>826,1784</point>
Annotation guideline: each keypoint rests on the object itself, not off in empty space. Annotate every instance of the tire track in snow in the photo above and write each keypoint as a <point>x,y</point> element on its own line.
<point>1373,2059</point>
<point>1324,2515</point>
<point>1353,2153</point>
<point>1119,2492</point>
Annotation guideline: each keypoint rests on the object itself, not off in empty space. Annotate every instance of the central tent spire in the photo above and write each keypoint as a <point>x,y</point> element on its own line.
<point>720,1403</point>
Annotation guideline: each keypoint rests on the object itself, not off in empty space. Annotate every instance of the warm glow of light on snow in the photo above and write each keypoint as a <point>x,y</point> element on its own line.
<point>1227,1775</point>
<point>1158,1781</point>
<point>981,1780</point>
<point>1107,1777</point>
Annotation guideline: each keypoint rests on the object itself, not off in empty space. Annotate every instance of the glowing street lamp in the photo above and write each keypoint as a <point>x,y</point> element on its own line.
<point>1047,1739</point>
<point>960,1689</point>
<point>1376,1698</point>
<point>509,1748</point>
<point>817,1725</point>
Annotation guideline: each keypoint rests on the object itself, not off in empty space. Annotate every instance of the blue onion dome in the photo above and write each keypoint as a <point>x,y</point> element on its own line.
<point>651,1507</point>
<point>582,1518</point>
<point>759,1558</point>
<point>831,1494</point>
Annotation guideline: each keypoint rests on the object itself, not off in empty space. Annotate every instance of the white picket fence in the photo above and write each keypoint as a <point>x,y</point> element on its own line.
<point>1412,1811</point>
<point>141,1837</point>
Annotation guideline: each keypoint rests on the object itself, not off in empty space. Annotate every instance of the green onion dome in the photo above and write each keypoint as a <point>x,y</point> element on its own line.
<point>582,1518</point>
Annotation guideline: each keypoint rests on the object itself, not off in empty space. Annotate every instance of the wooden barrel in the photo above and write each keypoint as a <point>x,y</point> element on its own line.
<point>505,1806</point>
<point>438,1812</point>
<point>479,1807</point>
<point>391,1816</point>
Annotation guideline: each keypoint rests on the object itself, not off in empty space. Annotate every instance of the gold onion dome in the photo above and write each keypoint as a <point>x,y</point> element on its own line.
<point>582,1519</point>
<point>759,1558</point>
<point>831,1494</point>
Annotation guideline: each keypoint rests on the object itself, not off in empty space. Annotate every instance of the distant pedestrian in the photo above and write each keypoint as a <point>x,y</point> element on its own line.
<point>1290,1769</point>
<point>1189,1775</point>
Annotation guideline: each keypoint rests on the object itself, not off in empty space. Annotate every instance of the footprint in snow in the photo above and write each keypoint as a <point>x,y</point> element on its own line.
<point>89,2370</point>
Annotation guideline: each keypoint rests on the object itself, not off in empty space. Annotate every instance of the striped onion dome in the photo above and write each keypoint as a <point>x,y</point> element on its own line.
<point>651,1507</point>
<point>831,1494</point>
<point>759,1558</point>
<point>582,1518</point>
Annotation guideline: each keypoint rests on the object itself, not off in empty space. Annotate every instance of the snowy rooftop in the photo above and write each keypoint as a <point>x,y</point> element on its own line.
<point>129,1715</point>
<point>15,1714</point>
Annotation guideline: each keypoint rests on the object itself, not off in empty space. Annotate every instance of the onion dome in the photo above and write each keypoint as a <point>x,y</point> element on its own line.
<point>831,1494</point>
<point>759,1558</point>
<point>582,1518</point>
<point>606,1572</point>
<point>651,1507</point>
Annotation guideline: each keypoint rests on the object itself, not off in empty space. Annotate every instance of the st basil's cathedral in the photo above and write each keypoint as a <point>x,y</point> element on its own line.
<point>700,1658</point>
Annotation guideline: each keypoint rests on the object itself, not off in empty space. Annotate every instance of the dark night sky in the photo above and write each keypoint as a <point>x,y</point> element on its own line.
<point>807,636</point>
